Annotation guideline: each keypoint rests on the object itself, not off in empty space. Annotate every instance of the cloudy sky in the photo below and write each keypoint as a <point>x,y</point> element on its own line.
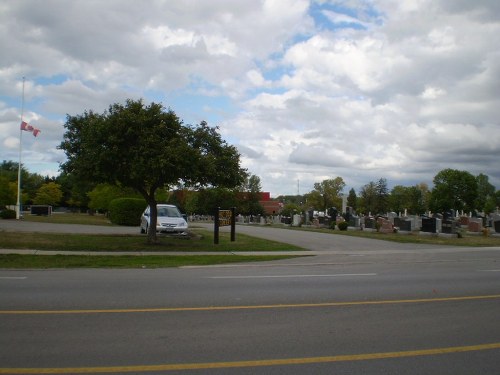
<point>307,90</point>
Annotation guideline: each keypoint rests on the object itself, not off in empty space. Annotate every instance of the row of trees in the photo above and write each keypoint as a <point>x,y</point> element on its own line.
<point>63,191</point>
<point>36,188</point>
<point>453,189</point>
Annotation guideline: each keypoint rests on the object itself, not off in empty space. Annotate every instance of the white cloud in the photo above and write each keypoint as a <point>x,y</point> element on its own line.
<point>385,88</point>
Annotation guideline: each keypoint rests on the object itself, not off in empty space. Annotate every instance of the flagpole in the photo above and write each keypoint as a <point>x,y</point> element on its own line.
<point>18,204</point>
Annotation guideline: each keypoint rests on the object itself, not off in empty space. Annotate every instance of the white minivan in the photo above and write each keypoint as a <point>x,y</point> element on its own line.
<point>169,220</point>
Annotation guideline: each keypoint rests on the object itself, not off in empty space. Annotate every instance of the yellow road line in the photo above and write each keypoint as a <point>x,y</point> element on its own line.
<point>255,363</point>
<point>251,307</point>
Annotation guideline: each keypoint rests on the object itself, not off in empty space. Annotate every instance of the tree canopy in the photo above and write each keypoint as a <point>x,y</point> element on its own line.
<point>327,193</point>
<point>453,189</point>
<point>146,147</point>
<point>49,193</point>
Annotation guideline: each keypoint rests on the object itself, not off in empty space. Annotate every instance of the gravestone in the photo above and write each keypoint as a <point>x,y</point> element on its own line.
<point>416,222</point>
<point>449,215</point>
<point>391,216</point>
<point>429,224</point>
<point>475,225</point>
<point>495,222</point>
<point>404,225</point>
<point>354,221</point>
<point>464,221</point>
<point>332,212</point>
<point>369,222</point>
<point>496,225</point>
<point>385,225</point>
<point>448,227</point>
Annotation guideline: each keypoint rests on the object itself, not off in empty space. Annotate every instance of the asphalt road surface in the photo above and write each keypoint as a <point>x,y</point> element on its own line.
<point>357,307</point>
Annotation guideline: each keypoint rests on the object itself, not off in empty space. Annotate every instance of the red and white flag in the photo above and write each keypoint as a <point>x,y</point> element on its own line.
<point>27,127</point>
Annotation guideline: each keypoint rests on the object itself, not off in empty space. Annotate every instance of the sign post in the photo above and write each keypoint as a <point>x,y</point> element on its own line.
<point>224,218</point>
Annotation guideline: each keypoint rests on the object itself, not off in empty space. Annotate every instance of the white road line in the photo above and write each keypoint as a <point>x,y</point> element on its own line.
<point>291,276</point>
<point>489,270</point>
<point>13,277</point>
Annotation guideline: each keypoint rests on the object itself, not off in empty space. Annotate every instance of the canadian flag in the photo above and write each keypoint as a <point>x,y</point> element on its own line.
<point>27,127</point>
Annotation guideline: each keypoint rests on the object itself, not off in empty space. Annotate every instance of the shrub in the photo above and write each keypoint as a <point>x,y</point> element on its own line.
<point>332,225</point>
<point>343,225</point>
<point>8,214</point>
<point>126,211</point>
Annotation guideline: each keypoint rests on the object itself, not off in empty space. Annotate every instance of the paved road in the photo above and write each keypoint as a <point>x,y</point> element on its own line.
<point>366,318</point>
<point>357,307</point>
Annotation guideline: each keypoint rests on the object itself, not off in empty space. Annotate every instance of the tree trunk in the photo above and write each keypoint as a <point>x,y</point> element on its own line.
<point>149,196</point>
<point>153,215</point>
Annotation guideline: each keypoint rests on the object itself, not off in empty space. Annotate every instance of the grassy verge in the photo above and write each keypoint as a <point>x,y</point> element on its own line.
<point>202,241</point>
<point>466,240</point>
<point>16,261</point>
<point>414,237</point>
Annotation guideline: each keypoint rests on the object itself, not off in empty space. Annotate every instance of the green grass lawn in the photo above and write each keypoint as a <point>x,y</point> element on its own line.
<point>466,240</point>
<point>200,240</point>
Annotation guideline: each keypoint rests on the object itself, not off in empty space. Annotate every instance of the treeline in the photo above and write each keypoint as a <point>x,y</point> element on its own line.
<point>65,191</point>
<point>453,189</point>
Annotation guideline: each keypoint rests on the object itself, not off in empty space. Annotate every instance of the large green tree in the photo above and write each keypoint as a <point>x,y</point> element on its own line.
<point>146,147</point>
<point>326,194</point>
<point>485,191</point>
<point>249,197</point>
<point>410,198</point>
<point>352,199</point>
<point>210,199</point>
<point>103,194</point>
<point>382,196</point>
<point>368,194</point>
<point>30,183</point>
<point>49,193</point>
<point>453,189</point>
<point>398,198</point>
<point>75,192</point>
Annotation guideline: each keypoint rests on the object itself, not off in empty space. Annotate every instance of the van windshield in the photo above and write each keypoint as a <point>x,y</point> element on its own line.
<point>168,212</point>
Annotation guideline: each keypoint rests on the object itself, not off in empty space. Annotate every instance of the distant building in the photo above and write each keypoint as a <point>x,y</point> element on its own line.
<point>270,207</point>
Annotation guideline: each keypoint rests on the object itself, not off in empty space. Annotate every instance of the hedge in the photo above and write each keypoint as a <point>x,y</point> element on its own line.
<point>343,225</point>
<point>126,211</point>
<point>8,214</point>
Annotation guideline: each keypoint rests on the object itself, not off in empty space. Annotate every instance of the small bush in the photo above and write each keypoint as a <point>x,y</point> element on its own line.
<point>126,211</point>
<point>332,225</point>
<point>343,225</point>
<point>8,214</point>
